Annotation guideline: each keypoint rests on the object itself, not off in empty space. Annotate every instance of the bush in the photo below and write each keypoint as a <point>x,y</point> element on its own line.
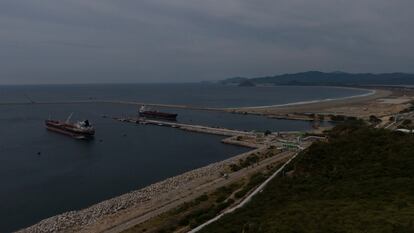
<point>359,181</point>
<point>374,120</point>
<point>250,160</point>
<point>200,199</point>
<point>234,167</point>
<point>338,118</point>
<point>406,122</point>
<point>254,181</point>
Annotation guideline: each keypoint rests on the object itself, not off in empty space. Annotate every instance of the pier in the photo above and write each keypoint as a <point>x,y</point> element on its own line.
<point>187,127</point>
<point>251,139</point>
<point>96,101</point>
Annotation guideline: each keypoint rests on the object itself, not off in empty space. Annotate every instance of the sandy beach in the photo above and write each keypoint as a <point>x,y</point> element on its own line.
<point>383,102</point>
<point>315,106</point>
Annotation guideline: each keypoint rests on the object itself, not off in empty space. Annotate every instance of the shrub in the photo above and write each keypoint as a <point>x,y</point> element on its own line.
<point>359,181</point>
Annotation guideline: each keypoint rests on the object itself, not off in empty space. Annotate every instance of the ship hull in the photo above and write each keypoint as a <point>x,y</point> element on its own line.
<point>68,129</point>
<point>158,115</point>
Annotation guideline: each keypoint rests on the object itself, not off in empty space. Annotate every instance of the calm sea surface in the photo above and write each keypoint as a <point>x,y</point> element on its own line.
<point>70,174</point>
<point>207,95</point>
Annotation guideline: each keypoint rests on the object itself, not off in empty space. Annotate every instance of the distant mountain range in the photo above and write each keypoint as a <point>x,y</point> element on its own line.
<point>323,78</point>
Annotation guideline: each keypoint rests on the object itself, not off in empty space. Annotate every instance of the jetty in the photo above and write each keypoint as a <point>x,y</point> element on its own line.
<point>251,139</point>
<point>187,127</point>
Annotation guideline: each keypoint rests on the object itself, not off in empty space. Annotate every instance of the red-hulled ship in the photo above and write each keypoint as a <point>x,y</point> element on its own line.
<point>143,112</point>
<point>78,130</point>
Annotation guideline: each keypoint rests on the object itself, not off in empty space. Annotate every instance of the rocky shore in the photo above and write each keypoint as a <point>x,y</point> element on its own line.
<point>78,220</point>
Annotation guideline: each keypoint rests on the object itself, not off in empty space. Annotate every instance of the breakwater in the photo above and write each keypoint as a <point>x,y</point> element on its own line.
<point>76,220</point>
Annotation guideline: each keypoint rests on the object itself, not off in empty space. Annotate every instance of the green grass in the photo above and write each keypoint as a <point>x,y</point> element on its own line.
<point>190,214</point>
<point>254,181</point>
<point>361,181</point>
<point>243,163</point>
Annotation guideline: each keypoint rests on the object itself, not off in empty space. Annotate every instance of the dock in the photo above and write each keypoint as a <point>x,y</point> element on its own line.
<point>187,127</point>
<point>250,139</point>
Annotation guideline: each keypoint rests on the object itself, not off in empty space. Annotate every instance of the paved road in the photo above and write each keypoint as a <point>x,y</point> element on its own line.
<point>201,189</point>
<point>401,117</point>
<point>246,200</point>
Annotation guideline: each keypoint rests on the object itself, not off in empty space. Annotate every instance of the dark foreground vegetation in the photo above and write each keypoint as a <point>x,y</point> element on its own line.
<point>362,180</point>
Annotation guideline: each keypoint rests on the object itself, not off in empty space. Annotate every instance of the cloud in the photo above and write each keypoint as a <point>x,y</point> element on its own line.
<point>72,41</point>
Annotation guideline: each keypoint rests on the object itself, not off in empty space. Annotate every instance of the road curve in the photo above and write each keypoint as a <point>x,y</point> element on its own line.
<point>247,199</point>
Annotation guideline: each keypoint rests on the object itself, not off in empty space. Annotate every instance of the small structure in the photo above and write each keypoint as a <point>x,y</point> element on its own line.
<point>405,130</point>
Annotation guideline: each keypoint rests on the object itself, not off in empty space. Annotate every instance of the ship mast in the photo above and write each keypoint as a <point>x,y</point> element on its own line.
<point>68,119</point>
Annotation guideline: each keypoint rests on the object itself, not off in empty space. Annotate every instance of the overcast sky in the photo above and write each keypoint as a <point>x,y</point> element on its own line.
<point>78,41</point>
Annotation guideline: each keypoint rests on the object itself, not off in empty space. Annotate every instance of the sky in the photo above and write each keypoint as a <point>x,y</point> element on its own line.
<point>103,41</point>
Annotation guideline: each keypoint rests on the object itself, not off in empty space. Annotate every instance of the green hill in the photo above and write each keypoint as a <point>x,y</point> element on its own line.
<point>362,180</point>
<point>330,78</point>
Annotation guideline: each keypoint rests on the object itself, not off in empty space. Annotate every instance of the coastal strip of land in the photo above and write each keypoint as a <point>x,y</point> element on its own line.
<point>364,105</point>
<point>383,104</point>
<point>95,101</point>
<point>315,106</point>
<point>360,97</point>
<point>289,107</point>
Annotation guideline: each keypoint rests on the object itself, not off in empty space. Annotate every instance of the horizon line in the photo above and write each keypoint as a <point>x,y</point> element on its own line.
<point>199,81</point>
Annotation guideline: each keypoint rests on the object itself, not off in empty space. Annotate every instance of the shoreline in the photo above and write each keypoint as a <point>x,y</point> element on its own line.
<point>163,195</point>
<point>370,93</point>
<point>317,107</point>
<point>141,199</point>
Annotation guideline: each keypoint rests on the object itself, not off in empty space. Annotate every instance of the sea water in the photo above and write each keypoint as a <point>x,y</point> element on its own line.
<point>44,173</point>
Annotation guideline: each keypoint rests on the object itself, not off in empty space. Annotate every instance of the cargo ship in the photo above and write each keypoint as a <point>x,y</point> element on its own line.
<point>144,112</point>
<point>78,130</point>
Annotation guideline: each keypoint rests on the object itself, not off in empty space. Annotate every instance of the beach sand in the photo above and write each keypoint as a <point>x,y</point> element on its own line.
<point>315,106</point>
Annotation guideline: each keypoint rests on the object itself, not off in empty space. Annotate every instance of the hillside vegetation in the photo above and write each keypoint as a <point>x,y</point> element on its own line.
<point>331,78</point>
<point>362,180</point>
